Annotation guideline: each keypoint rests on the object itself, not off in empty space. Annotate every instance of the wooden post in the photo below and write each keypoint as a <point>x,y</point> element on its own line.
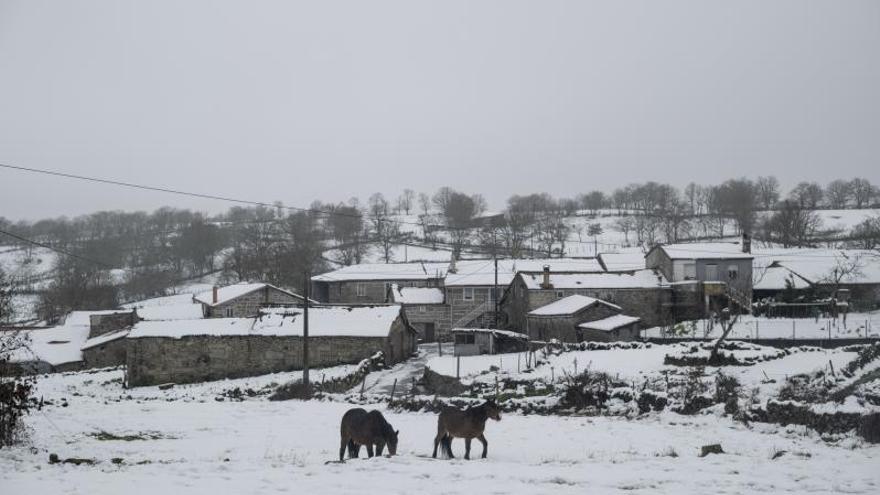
<point>793,335</point>
<point>457,367</point>
<point>496,387</point>
<point>518,356</point>
<point>575,366</point>
<point>393,389</point>
<point>363,385</point>
<point>305,335</point>
<point>552,376</point>
<point>757,335</point>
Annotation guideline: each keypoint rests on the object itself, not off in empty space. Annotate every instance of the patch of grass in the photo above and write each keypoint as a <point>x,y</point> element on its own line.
<point>106,436</point>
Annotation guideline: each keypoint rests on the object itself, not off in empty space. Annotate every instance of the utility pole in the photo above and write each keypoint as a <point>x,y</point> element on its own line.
<point>495,290</point>
<point>305,376</point>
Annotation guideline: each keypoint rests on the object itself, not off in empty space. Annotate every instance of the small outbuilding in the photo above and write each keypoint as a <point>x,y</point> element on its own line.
<point>610,329</point>
<point>244,300</point>
<point>476,341</point>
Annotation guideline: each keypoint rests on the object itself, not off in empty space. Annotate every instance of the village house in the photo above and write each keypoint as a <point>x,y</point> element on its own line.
<point>611,329</point>
<point>244,300</point>
<point>561,319</point>
<point>705,276</point>
<point>645,294</point>
<point>369,283</point>
<point>425,308</point>
<point>216,348</point>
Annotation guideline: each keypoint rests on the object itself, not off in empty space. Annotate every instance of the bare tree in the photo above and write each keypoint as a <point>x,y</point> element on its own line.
<point>807,195</point>
<point>727,323</point>
<point>7,292</point>
<point>792,225</point>
<point>768,192</point>
<point>863,192</point>
<point>625,225</point>
<point>405,201</point>
<point>838,193</point>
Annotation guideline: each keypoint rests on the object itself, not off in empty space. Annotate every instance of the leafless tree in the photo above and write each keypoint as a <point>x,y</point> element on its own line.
<point>863,192</point>
<point>405,201</point>
<point>838,193</point>
<point>807,195</point>
<point>625,225</point>
<point>792,225</point>
<point>768,192</point>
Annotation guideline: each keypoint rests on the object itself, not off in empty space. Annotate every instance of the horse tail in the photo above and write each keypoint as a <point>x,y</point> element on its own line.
<point>446,441</point>
<point>352,452</point>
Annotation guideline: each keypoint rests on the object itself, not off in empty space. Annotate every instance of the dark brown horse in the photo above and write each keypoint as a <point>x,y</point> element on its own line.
<point>369,429</point>
<point>467,424</point>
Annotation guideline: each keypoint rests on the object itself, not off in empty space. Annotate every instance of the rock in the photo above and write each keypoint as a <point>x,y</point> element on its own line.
<point>117,460</point>
<point>166,386</point>
<point>53,459</point>
<point>714,448</point>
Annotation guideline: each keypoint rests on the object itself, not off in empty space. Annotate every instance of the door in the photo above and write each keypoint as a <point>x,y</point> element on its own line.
<point>711,272</point>
<point>428,332</point>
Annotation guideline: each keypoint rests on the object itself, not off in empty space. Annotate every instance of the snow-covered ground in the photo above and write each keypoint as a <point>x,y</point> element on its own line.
<point>194,443</point>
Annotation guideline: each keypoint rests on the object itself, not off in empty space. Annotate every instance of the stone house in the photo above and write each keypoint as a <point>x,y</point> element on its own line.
<point>476,341</point>
<point>474,287</point>
<point>705,275</point>
<point>244,300</point>
<point>425,309</point>
<point>645,294</point>
<point>369,283</point>
<point>559,319</point>
<point>188,351</point>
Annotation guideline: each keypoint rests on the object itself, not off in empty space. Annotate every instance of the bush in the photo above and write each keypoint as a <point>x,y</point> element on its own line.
<point>16,390</point>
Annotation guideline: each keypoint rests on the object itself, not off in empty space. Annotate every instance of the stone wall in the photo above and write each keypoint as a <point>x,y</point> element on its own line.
<point>112,353</point>
<point>373,291</point>
<point>100,324</point>
<point>248,305</point>
<point>155,360</point>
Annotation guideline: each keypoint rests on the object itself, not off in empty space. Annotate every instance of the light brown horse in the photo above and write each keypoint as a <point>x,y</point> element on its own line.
<point>467,424</point>
<point>369,429</point>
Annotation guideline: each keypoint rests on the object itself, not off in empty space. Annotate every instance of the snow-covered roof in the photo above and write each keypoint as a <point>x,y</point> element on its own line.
<point>774,278</point>
<point>640,279</point>
<point>623,262</point>
<point>569,306</point>
<point>610,323</point>
<point>83,318</point>
<point>230,292</point>
<point>818,265</point>
<point>384,271</point>
<point>494,331</point>
<point>705,250</point>
<point>103,339</point>
<point>61,344</point>
<point>416,295</point>
<point>482,272</point>
<point>373,321</point>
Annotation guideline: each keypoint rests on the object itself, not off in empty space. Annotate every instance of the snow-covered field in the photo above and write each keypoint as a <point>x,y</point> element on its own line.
<point>225,436</point>
<point>202,445</point>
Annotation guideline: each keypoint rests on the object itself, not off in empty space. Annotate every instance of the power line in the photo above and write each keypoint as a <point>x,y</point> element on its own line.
<point>57,250</point>
<point>187,193</point>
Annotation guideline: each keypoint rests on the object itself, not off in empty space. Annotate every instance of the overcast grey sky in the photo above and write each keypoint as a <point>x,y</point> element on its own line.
<point>296,101</point>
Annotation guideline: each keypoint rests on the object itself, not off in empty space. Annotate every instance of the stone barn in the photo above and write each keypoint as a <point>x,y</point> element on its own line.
<point>642,293</point>
<point>188,351</point>
<point>425,308</point>
<point>244,300</point>
<point>369,283</point>
<point>476,341</point>
<point>106,344</point>
<point>559,320</point>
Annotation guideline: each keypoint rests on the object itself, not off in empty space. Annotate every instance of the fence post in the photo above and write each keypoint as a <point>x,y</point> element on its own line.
<point>757,334</point>
<point>518,356</point>
<point>439,347</point>
<point>393,389</point>
<point>363,385</point>
<point>793,332</point>
<point>457,366</point>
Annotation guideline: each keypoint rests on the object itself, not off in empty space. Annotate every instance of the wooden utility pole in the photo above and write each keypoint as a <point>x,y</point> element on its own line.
<point>495,292</point>
<point>305,378</point>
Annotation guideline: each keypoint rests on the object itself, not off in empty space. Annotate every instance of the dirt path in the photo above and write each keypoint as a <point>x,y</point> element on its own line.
<point>405,373</point>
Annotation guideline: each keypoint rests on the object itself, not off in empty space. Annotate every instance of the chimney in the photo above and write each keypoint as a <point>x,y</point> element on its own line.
<point>747,243</point>
<point>215,298</point>
<point>545,284</point>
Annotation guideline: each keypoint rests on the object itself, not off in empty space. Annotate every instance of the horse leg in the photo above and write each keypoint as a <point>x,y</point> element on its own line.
<point>447,445</point>
<point>369,450</point>
<point>482,440</point>
<point>438,439</point>
<point>343,444</point>
<point>379,447</point>
<point>353,449</point>
<point>467,448</point>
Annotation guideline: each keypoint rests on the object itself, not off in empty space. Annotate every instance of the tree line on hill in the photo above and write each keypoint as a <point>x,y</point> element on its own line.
<point>112,256</point>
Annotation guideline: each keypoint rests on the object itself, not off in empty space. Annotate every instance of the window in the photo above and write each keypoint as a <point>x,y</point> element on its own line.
<point>229,312</point>
<point>464,338</point>
<point>361,290</point>
<point>560,294</point>
<point>468,293</point>
<point>422,309</point>
<point>690,271</point>
<point>732,272</point>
